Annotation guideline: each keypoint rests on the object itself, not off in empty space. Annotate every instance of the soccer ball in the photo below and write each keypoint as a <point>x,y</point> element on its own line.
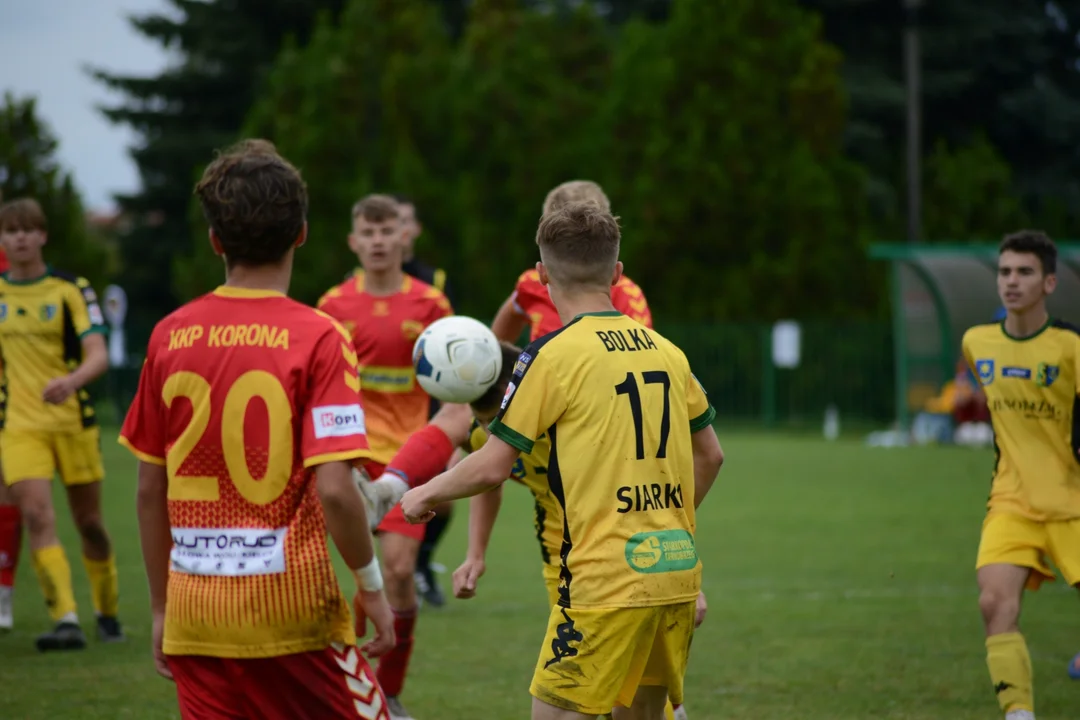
<point>457,359</point>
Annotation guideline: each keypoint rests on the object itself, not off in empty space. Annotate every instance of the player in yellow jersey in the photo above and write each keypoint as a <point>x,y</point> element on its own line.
<point>1028,368</point>
<point>618,639</point>
<point>52,343</point>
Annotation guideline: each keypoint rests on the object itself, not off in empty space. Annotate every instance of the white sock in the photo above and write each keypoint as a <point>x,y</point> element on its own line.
<point>70,618</point>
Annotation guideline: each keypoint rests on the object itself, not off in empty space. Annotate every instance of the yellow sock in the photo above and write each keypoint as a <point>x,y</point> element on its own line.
<point>1010,671</point>
<point>54,576</point>
<point>104,588</point>
<point>669,710</point>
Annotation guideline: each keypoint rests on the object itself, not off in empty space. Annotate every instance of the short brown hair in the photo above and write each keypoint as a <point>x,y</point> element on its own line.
<point>492,398</point>
<point>376,208</point>
<point>575,191</point>
<point>1035,242</point>
<point>23,214</point>
<point>255,202</point>
<point>579,244</point>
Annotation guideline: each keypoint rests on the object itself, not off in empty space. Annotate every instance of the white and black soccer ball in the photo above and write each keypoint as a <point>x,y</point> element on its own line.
<point>457,359</point>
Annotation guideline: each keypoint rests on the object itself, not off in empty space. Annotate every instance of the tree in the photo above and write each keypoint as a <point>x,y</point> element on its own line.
<point>29,168</point>
<point>724,158</point>
<point>362,108</point>
<point>527,87</point>
<point>1000,70</point>
<point>198,104</point>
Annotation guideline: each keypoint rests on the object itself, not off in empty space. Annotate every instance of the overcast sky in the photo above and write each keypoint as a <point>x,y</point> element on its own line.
<point>43,47</point>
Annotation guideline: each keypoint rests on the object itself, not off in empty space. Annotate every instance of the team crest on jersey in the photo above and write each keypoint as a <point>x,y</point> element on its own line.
<point>411,329</point>
<point>48,312</point>
<point>985,370</point>
<point>3,311</point>
<point>1046,374</point>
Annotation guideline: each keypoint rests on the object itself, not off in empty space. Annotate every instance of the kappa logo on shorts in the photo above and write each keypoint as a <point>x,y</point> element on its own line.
<point>565,634</point>
<point>985,370</point>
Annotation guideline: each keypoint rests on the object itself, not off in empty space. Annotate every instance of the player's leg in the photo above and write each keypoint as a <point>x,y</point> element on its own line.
<point>1064,540</point>
<point>426,583</point>
<point>331,684</point>
<point>82,471</point>
<point>1010,556</point>
<point>29,464</point>
<point>10,545</point>
<point>400,543</point>
<point>207,688</point>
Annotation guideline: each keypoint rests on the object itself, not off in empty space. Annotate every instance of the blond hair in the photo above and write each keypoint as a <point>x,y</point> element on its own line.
<point>579,245</point>
<point>576,191</point>
<point>376,208</point>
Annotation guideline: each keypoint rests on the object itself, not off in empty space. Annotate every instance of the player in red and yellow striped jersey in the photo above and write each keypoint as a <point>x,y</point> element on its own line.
<point>246,424</point>
<point>530,305</point>
<point>384,310</point>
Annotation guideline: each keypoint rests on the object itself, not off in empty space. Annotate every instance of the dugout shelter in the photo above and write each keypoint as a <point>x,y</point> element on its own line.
<point>938,292</point>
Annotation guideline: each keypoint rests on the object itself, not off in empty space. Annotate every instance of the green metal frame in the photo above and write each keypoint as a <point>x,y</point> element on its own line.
<point>908,255</point>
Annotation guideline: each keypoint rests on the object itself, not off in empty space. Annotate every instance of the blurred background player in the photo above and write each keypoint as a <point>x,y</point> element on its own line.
<point>257,627</point>
<point>10,532</point>
<point>624,634</point>
<point>427,584</point>
<point>384,310</point>
<point>1028,368</point>
<point>530,305</point>
<point>53,344</point>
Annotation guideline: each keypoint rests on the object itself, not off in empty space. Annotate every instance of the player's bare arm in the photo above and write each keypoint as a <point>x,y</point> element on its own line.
<point>483,510</point>
<point>508,323</point>
<point>156,538</point>
<point>483,470</point>
<point>95,363</point>
<point>708,457</point>
<point>346,521</point>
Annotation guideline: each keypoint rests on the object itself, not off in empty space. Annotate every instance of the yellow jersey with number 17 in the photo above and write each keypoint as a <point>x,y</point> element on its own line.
<point>1031,389</point>
<point>618,404</point>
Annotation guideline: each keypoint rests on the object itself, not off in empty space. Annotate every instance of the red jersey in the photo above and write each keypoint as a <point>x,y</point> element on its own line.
<point>243,392</point>
<point>384,329</point>
<point>4,264</point>
<point>531,299</point>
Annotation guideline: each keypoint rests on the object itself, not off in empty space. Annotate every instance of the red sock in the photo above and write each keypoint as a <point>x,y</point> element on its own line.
<point>392,665</point>
<point>423,456</point>
<point>10,543</point>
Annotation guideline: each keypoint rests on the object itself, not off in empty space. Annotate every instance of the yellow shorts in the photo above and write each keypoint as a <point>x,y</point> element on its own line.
<point>1015,540</point>
<point>594,659</point>
<point>34,455</point>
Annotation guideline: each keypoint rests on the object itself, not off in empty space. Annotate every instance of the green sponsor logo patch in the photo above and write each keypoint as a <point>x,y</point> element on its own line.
<point>661,551</point>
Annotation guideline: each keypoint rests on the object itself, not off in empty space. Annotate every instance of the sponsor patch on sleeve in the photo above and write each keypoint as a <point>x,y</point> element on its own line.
<point>509,393</point>
<point>338,420</point>
<point>522,362</point>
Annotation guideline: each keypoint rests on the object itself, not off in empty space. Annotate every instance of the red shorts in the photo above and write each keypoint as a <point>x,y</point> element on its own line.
<point>331,684</point>
<point>395,521</point>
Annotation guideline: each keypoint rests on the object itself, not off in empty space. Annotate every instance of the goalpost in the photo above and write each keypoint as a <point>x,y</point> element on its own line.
<point>938,292</point>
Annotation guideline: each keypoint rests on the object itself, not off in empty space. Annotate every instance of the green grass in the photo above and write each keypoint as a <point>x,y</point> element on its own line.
<point>840,583</point>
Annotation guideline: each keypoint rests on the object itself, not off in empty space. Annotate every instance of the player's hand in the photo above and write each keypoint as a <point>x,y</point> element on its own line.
<point>58,390</point>
<point>161,663</point>
<point>701,608</point>
<point>465,577</point>
<point>373,605</point>
<point>417,510</point>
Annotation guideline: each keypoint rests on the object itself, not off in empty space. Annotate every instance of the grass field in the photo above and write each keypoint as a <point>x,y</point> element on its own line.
<point>839,579</point>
